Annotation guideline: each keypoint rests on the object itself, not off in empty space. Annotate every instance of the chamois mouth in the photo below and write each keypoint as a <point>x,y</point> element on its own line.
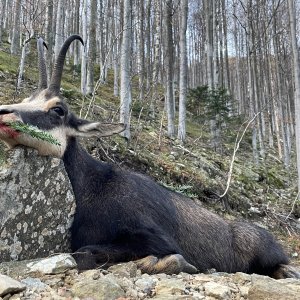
<point>6,131</point>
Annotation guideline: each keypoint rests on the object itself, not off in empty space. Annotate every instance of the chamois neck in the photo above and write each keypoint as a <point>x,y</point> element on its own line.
<point>82,168</point>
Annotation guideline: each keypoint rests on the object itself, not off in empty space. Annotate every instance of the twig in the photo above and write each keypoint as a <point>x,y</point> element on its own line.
<point>236,147</point>
<point>293,206</point>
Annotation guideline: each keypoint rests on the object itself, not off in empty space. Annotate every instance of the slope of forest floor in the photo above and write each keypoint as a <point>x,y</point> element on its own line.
<point>264,193</point>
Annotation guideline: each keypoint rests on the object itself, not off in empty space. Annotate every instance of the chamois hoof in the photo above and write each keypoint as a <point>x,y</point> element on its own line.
<point>146,264</point>
<point>171,264</point>
<point>286,271</point>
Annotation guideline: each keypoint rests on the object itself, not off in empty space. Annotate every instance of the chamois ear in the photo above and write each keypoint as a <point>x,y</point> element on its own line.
<point>99,129</point>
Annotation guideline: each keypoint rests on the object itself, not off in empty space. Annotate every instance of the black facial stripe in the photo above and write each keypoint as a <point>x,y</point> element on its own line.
<point>41,119</point>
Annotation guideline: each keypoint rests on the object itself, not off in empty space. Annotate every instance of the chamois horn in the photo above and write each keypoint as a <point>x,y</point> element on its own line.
<point>43,81</point>
<point>54,85</point>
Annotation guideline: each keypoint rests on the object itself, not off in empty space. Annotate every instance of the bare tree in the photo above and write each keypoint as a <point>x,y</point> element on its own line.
<point>92,47</point>
<point>15,41</point>
<point>125,87</point>
<point>59,28</point>
<point>183,70</point>
<point>169,64</point>
<point>84,18</point>
<point>292,17</point>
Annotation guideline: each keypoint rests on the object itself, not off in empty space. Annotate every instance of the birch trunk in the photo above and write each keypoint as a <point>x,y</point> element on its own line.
<point>49,37</point>
<point>125,88</point>
<point>92,47</point>
<point>2,18</point>
<point>59,28</point>
<point>169,62</point>
<point>292,17</point>
<point>141,55</point>
<point>84,50</point>
<point>15,41</point>
<point>182,70</point>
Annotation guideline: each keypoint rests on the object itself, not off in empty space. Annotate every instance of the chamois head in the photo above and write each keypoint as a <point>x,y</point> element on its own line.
<point>46,110</point>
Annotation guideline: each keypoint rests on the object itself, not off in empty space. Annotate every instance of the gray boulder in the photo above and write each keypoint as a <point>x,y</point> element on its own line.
<point>36,206</point>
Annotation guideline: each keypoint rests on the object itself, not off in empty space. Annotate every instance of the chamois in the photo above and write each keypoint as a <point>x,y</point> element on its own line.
<point>122,215</point>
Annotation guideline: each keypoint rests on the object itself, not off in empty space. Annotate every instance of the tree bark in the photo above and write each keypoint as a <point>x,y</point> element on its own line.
<point>183,70</point>
<point>92,47</point>
<point>15,41</point>
<point>169,62</point>
<point>84,51</point>
<point>125,88</point>
<point>296,69</point>
<point>59,28</point>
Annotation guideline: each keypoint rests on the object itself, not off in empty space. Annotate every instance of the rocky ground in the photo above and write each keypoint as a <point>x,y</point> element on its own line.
<point>56,278</point>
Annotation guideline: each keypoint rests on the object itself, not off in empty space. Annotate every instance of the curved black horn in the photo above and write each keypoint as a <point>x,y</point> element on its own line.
<point>43,81</point>
<point>59,64</point>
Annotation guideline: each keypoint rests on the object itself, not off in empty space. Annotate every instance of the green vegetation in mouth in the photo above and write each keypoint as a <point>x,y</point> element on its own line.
<point>34,132</point>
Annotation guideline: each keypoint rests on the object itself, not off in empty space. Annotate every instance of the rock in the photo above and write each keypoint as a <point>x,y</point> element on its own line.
<point>101,289</point>
<point>170,286</point>
<point>217,290</point>
<point>53,265</point>
<point>124,269</point>
<point>146,284</point>
<point>264,288</point>
<point>10,286</point>
<point>37,205</point>
<point>34,283</point>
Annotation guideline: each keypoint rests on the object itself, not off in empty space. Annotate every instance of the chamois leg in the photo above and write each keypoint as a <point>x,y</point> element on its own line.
<point>171,264</point>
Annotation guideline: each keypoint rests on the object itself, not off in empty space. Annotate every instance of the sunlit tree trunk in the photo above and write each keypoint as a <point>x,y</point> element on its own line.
<point>125,87</point>
<point>296,69</point>
<point>59,26</point>
<point>2,17</point>
<point>92,47</point>
<point>15,40</point>
<point>49,37</point>
<point>183,70</point>
<point>85,49</point>
<point>169,63</point>
<point>141,54</point>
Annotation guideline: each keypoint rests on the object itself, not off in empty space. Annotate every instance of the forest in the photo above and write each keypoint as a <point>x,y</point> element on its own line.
<point>220,61</point>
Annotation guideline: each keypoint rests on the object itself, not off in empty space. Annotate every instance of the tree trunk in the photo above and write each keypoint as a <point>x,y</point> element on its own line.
<point>116,47</point>
<point>292,17</point>
<point>141,55</point>
<point>49,37</point>
<point>169,62</point>
<point>125,91</point>
<point>15,41</point>
<point>92,47</point>
<point>183,70</point>
<point>84,51</point>
<point>59,28</point>
<point>2,17</point>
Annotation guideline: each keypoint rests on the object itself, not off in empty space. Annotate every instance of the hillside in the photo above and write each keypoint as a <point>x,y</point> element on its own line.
<point>264,194</point>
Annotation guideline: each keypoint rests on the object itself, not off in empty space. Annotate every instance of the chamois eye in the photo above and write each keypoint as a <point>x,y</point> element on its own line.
<point>59,111</point>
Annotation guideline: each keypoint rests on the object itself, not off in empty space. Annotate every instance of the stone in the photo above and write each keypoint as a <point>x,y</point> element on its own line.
<point>172,286</point>
<point>9,285</point>
<point>101,289</point>
<point>217,290</point>
<point>124,269</point>
<point>53,265</point>
<point>37,206</point>
<point>34,283</point>
<point>146,284</point>
<point>266,288</point>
